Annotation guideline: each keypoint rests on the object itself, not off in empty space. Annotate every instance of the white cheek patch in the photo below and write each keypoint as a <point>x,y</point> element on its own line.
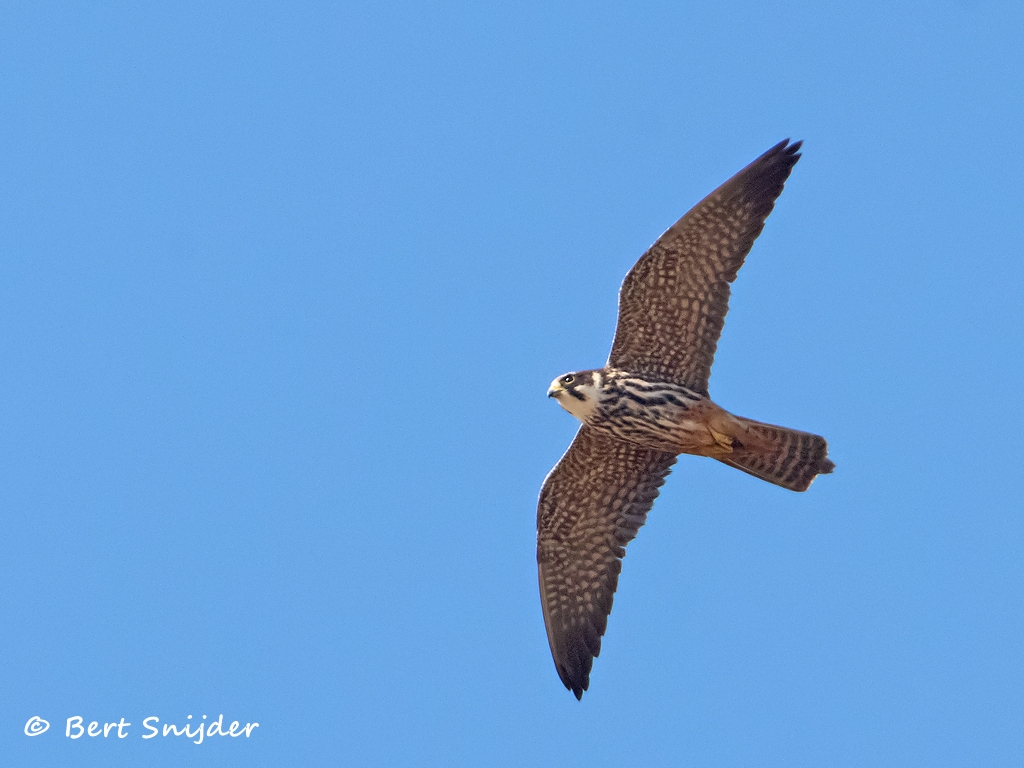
<point>581,409</point>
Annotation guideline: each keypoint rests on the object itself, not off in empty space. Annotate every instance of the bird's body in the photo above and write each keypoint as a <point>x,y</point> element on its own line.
<point>655,414</point>
<point>650,403</point>
<point>668,417</point>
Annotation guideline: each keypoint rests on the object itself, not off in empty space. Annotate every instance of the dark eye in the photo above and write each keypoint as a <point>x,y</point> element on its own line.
<point>568,379</point>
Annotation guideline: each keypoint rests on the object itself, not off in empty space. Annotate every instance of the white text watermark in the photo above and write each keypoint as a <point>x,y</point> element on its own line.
<point>195,730</point>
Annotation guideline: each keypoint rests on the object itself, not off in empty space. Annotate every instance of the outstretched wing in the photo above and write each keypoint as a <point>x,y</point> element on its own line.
<point>673,302</point>
<point>592,505</point>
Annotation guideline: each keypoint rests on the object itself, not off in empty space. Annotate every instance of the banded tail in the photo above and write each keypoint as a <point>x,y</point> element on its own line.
<point>782,456</point>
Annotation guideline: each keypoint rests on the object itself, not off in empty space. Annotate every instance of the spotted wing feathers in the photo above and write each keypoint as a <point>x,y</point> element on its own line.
<point>592,505</point>
<point>673,303</point>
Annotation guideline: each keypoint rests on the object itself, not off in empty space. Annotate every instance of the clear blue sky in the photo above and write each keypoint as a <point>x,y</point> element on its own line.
<point>282,286</point>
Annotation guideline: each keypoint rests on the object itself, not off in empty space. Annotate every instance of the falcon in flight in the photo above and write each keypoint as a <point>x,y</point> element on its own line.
<point>650,403</point>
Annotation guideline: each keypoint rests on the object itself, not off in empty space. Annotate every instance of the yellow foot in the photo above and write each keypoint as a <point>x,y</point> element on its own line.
<point>723,440</point>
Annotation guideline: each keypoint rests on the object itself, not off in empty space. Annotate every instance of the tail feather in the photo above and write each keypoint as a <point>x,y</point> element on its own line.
<point>782,456</point>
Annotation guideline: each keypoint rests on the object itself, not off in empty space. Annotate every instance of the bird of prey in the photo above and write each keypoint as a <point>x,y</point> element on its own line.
<point>650,403</point>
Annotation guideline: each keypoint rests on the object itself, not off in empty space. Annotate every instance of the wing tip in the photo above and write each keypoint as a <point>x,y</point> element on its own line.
<point>764,178</point>
<point>575,683</point>
<point>787,149</point>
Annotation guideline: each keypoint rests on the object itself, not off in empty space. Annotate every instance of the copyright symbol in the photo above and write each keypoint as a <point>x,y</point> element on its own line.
<point>35,726</point>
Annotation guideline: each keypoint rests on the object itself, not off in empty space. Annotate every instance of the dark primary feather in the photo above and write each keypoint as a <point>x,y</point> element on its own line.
<point>673,302</point>
<point>592,504</point>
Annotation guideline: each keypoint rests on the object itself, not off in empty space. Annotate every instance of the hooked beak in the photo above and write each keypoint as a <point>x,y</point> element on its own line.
<point>555,390</point>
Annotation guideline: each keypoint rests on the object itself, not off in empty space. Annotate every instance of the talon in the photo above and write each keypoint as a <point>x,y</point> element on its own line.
<point>723,440</point>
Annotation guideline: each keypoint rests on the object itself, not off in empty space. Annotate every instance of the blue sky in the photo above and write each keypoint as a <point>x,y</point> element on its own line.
<point>282,287</point>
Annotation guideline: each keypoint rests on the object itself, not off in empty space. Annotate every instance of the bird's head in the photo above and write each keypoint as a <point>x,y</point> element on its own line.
<point>577,392</point>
